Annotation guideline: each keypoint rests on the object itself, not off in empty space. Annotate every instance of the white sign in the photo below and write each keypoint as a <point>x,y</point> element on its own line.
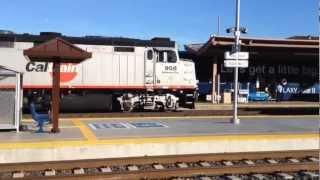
<point>232,63</point>
<point>241,55</point>
<point>243,91</point>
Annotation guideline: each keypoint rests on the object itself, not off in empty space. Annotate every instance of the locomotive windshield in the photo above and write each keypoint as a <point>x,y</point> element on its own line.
<point>167,56</point>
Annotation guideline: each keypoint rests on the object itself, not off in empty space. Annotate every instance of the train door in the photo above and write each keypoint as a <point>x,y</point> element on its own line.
<point>149,67</point>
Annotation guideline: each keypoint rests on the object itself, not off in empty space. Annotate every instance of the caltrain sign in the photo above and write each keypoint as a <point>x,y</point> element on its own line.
<point>68,71</point>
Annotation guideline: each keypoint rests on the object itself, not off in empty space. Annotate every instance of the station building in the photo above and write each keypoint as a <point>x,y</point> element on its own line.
<point>271,61</point>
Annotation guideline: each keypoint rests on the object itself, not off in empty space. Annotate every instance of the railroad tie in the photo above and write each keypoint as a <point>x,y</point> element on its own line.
<point>249,162</point>
<point>133,168</point>
<point>313,159</point>
<point>105,169</point>
<point>310,175</point>
<point>293,160</point>
<point>78,171</point>
<point>259,177</point>
<point>158,166</point>
<point>18,174</point>
<point>285,176</point>
<point>233,178</point>
<point>272,161</point>
<point>227,163</point>
<point>50,172</point>
<point>182,165</point>
<point>204,164</point>
<point>205,178</point>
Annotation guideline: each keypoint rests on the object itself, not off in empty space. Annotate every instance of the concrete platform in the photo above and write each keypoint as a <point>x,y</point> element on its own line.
<point>123,137</point>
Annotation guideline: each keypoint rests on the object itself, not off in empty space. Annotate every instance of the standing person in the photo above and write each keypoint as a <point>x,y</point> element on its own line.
<point>286,94</point>
<point>284,82</point>
<point>272,88</point>
<point>279,91</point>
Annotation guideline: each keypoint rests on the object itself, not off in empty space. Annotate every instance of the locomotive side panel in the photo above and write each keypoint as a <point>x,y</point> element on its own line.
<point>114,70</point>
<point>106,69</point>
<point>91,71</point>
<point>13,57</point>
<point>123,70</point>
<point>139,65</point>
<point>132,73</point>
<point>188,73</point>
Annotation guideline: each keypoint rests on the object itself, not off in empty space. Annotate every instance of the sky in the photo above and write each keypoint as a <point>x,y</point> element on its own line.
<point>185,21</point>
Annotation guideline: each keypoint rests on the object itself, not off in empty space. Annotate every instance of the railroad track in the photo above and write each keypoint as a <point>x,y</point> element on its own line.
<point>253,165</point>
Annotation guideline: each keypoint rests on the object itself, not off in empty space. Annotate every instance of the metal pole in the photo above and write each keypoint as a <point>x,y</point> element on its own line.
<point>235,118</point>
<point>218,33</point>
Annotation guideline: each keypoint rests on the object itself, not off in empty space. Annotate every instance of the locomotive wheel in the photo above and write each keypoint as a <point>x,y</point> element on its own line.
<point>127,106</point>
<point>162,108</point>
<point>168,102</point>
<point>176,107</point>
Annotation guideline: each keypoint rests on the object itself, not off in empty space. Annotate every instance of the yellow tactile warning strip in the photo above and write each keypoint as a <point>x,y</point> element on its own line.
<point>85,130</point>
<point>162,140</point>
<point>195,118</point>
<point>285,117</point>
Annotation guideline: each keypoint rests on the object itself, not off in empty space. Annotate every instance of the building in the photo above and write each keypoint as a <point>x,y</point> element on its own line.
<point>271,61</point>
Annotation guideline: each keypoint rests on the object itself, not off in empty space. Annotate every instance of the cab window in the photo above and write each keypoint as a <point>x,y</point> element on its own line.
<point>161,56</point>
<point>150,54</point>
<point>167,56</point>
<point>172,57</point>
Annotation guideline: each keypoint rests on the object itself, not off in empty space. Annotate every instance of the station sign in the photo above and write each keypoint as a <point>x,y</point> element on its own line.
<point>241,55</point>
<point>233,63</point>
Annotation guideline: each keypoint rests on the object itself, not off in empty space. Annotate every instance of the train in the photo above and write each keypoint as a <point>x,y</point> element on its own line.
<point>123,74</point>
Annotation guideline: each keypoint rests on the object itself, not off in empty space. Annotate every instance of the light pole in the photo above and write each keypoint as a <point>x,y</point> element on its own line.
<point>235,118</point>
<point>237,30</point>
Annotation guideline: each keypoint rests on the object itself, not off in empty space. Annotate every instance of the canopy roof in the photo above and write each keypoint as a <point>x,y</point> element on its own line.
<point>222,42</point>
<point>57,50</point>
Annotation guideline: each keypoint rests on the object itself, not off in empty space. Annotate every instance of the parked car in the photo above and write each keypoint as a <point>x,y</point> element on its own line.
<point>258,96</point>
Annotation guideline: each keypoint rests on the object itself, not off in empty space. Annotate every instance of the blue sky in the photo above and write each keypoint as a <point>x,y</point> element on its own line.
<point>187,21</point>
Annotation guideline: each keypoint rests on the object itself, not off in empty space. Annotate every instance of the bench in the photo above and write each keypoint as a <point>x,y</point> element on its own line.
<point>40,118</point>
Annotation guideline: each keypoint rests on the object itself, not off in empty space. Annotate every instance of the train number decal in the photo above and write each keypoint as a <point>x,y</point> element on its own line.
<point>170,68</point>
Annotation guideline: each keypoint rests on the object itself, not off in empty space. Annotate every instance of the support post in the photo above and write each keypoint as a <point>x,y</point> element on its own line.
<point>55,97</point>
<point>218,89</point>
<point>214,82</point>
<point>235,118</point>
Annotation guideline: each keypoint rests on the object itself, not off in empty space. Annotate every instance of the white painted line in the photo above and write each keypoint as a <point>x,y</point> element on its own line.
<point>92,126</point>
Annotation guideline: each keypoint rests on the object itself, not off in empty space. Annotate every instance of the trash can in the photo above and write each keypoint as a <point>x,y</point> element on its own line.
<point>227,98</point>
